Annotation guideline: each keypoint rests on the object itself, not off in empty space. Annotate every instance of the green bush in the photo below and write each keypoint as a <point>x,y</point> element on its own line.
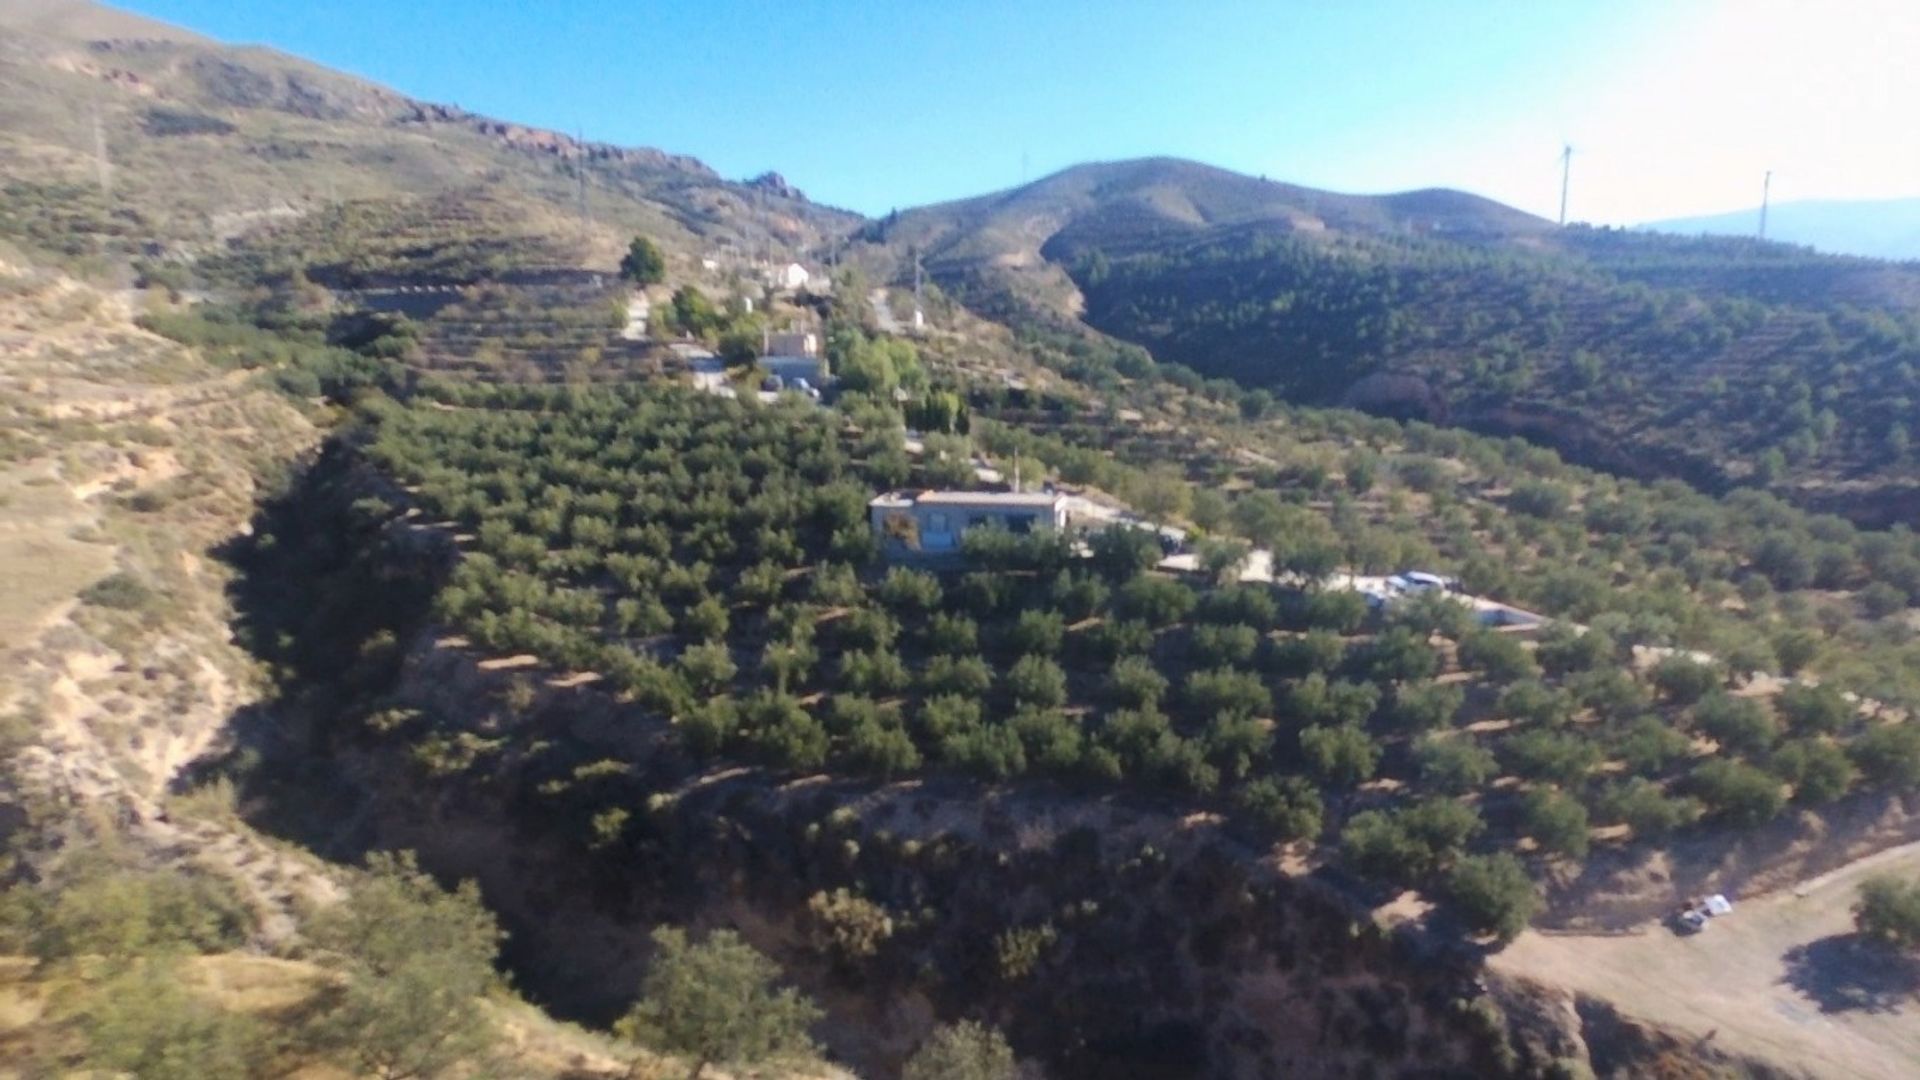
<point>1492,894</point>
<point>1888,911</point>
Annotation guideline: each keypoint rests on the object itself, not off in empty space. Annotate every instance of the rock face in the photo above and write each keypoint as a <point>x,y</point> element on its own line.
<point>774,184</point>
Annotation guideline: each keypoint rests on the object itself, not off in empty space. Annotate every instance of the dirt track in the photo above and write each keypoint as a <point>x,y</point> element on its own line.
<point>1781,979</point>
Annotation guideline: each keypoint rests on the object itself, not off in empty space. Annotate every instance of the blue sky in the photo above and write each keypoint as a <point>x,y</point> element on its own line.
<point>1673,106</point>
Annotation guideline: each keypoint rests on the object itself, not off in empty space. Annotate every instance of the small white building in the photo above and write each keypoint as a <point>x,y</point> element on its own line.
<point>792,343</point>
<point>791,277</point>
<point>931,523</point>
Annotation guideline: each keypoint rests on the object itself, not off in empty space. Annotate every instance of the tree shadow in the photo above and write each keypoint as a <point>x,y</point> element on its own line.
<point>1849,973</point>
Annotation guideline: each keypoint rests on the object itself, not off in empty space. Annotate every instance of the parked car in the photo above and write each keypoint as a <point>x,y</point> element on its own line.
<point>772,384</point>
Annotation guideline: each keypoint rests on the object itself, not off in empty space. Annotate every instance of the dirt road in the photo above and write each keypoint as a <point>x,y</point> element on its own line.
<point>1781,978</point>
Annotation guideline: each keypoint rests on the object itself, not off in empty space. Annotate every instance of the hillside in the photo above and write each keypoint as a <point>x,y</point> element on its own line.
<point>1719,361</point>
<point>400,613</point>
<point>1874,228</point>
<point>204,140</point>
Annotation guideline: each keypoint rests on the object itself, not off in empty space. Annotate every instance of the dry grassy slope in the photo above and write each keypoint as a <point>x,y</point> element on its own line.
<point>38,1005</point>
<point>281,136</point>
<point>126,455</point>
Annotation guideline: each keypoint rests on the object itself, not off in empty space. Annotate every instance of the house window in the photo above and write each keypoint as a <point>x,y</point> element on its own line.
<point>1019,524</point>
<point>937,523</point>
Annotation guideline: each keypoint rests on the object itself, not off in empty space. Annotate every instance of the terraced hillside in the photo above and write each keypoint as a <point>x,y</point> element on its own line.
<point>203,141</point>
<point>1723,362</point>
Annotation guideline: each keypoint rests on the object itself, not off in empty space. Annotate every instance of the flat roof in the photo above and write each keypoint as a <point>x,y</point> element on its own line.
<point>1038,500</point>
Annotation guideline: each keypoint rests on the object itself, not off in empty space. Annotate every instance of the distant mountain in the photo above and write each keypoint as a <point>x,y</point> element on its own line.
<point>1877,229</point>
<point>1013,243</point>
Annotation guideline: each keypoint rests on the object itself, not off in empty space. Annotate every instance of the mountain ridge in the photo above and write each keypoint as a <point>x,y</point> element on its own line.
<point>1870,228</point>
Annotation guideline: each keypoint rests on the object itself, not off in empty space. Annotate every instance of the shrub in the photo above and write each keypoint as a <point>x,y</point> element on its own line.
<point>991,750</point>
<point>1739,725</point>
<point>1534,702</point>
<point>947,714</point>
<point>1314,700</point>
<point>1684,680</point>
<point>1814,710</point>
<point>847,927</point>
<point>1440,829</point>
<point>1645,808</point>
<point>875,671</point>
<point>1343,756</point>
<point>967,675</point>
<point>1889,754</point>
<point>1123,553</point>
<point>881,749</point>
<point>1398,655</point>
<point>1650,745</point>
<point>1340,610</point>
<point>1492,894</point>
<point>1078,596</point>
<point>1287,808</point>
<point>954,634</point>
<point>707,668</point>
<point>1156,601</point>
<point>1552,756</point>
<point>910,591</point>
<point>1035,680</point>
<point>1224,690</point>
<point>715,1002</point>
<point>1375,845</point>
<point>1556,822</point>
<point>1214,645</point>
<point>1453,765</point>
<point>786,734</point>
<point>1252,605</point>
<point>418,957</point>
<point>1053,740</point>
<point>1736,792</point>
<point>1888,911</point>
<point>145,1022</point>
<point>1135,683</point>
<point>1819,772</point>
<point>1314,652</point>
<point>1037,633</point>
<point>1500,656</point>
<point>1422,706</point>
<point>963,1051</point>
<point>120,591</point>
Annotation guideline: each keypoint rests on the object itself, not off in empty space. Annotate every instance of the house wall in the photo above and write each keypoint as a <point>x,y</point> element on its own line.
<point>937,530</point>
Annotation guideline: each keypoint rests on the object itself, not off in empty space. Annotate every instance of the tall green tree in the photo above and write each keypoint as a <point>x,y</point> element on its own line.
<point>962,1051</point>
<point>715,1002</point>
<point>417,960</point>
<point>644,264</point>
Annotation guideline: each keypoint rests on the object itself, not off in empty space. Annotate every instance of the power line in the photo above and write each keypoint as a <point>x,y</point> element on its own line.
<point>1566,172</point>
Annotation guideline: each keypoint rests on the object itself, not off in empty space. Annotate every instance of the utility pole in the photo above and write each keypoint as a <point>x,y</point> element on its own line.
<point>101,165</point>
<point>919,316</point>
<point>1566,171</point>
<point>580,176</point>
<point>1766,193</point>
